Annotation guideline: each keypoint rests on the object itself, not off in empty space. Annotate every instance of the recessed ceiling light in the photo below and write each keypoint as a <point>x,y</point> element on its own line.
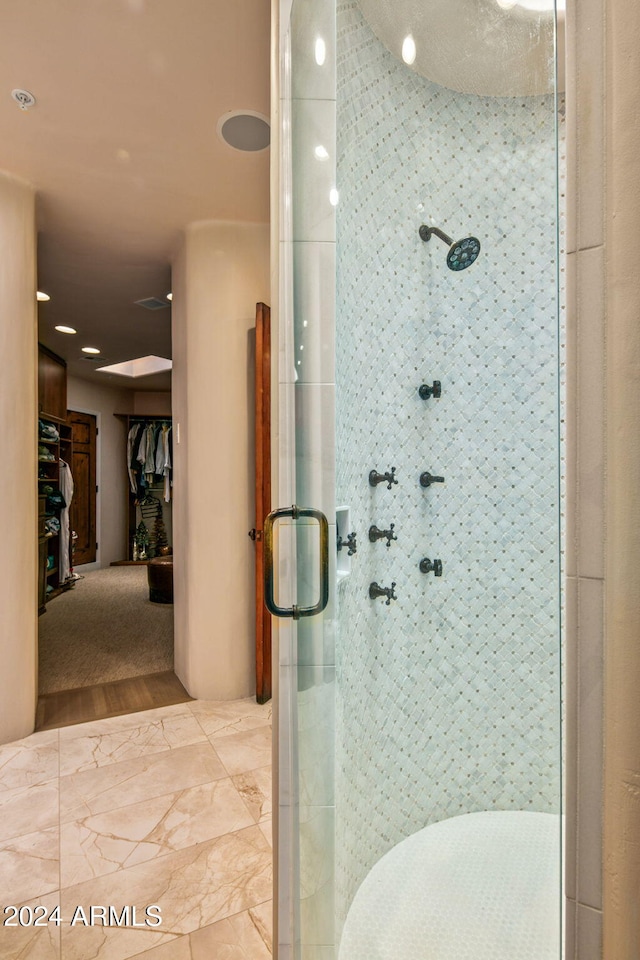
<point>43,297</point>
<point>169,296</point>
<point>90,350</point>
<point>62,329</point>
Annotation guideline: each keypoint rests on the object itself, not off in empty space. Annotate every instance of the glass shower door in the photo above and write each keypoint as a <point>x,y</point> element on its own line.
<point>423,364</point>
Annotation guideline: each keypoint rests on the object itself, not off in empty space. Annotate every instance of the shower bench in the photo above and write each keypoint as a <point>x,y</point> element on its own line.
<point>481,886</point>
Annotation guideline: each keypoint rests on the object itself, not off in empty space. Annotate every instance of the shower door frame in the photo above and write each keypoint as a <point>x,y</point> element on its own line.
<point>288,465</point>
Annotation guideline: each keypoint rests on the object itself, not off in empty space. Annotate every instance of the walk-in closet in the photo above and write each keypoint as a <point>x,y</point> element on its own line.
<point>149,469</point>
<point>105,563</point>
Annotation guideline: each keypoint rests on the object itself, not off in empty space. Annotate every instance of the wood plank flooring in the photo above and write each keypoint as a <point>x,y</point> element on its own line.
<point>109,700</point>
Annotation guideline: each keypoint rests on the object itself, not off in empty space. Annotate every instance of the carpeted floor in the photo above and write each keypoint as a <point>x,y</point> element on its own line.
<point>105,628</point>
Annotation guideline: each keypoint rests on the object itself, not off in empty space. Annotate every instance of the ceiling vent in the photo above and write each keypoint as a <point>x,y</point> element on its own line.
<point>153,303</point>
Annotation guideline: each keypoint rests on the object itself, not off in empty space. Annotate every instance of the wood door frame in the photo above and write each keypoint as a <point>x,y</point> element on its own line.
<point>95,564</point>
<point>262,407</point>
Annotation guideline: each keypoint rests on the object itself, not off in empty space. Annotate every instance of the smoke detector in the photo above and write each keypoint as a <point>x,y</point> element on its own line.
<point>23,98</point>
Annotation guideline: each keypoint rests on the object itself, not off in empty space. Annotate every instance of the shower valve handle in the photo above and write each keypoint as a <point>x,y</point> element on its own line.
<point>376,591</point>
<point>350,543</point>
<point>426,479</point>
<point>376,534</point>
<point>389,478</point>
<point>426,566</point>
<point>426,391</point>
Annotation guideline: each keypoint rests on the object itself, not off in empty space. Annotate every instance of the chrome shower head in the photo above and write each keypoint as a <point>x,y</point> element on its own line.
<point>462,253</point>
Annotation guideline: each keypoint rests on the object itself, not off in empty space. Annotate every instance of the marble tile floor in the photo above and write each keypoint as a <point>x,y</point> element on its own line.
<point>168,809</point>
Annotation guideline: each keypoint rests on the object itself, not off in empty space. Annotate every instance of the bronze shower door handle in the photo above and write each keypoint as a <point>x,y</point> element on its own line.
<point>295,513</point>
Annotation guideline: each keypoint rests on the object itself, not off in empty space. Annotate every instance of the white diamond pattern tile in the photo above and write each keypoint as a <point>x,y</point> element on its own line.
<point>447,700</point>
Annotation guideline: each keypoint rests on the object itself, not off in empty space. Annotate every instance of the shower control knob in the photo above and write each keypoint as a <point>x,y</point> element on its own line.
<point>426,391</point>
<point>426,479</point>
<point>376,534</point>
<point>376,591</point>
<point>389,478</point>
<point>426,566</point>
<point>350,543</point>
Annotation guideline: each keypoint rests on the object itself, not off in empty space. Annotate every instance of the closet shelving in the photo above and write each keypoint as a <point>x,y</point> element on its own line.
<point>49,454</point>
<point>156,489</point>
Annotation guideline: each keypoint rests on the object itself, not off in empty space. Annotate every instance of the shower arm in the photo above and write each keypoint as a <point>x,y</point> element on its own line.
<point>426,232</point>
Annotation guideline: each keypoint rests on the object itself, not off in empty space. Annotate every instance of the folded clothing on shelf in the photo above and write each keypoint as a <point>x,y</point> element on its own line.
<point>55,500</point>
<point>48,431</point>
<point>51,526</point>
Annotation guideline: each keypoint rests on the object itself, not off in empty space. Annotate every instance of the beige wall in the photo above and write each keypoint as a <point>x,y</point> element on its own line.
<point>220,273</point>
<point>585,268</point>
<point>151,403</point>
<point>18,415</point>
<point>621,899</point>
<point>603,536</point>
<point>112,501</point>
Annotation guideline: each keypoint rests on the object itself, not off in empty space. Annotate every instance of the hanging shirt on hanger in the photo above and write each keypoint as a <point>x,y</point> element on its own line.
<point>131,442</point>
<point>66,486</point>
<point>166,465</point>
<point>150,450</point>
<point>142,451</point>
<point>159,467</point>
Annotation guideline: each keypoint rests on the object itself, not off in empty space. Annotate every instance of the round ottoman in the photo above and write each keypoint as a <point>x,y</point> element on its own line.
<point>160,577</point>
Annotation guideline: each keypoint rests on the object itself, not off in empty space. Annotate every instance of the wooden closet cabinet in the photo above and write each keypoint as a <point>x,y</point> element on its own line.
<point>52,385</point>
<point>49,454</point>
<point>52,407</point>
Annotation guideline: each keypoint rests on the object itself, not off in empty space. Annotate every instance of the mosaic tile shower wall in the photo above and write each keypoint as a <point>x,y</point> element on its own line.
<point>448,698</point>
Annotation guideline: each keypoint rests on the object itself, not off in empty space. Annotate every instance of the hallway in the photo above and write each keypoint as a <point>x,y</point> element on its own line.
<point>104,629</point>
<point>105,650</point>
<point>90,816</point>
